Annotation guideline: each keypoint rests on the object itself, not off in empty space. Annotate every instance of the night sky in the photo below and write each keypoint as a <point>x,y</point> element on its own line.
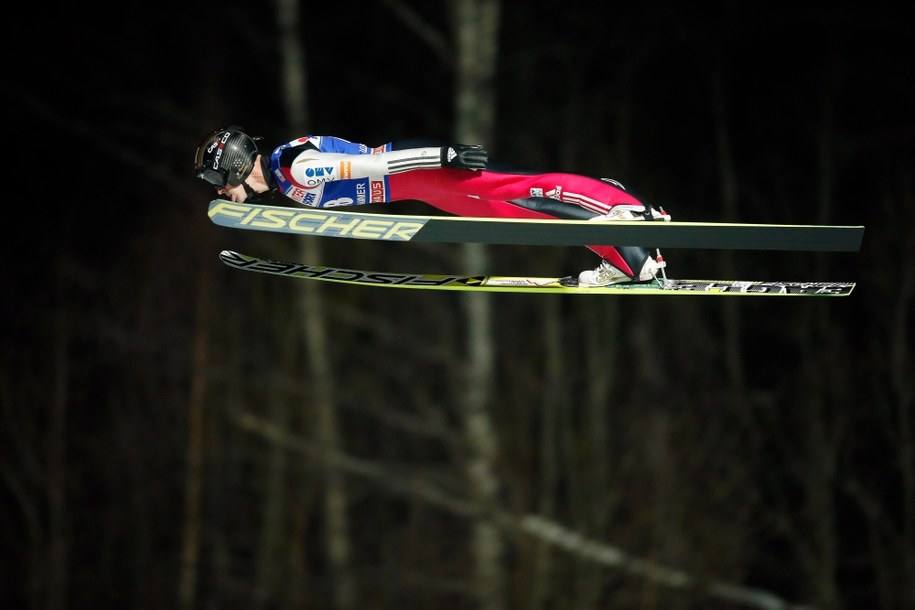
<point>106,231</point>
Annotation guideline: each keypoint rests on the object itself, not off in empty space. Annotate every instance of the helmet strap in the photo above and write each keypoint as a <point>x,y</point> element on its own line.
<point>268,175</point>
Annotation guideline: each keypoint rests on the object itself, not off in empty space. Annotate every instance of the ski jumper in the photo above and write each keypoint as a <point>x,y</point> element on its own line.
<point>326,171</point>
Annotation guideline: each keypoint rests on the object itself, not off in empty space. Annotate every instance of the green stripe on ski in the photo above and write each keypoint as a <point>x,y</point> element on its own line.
<point>489,283</point>
<point>520,231</point>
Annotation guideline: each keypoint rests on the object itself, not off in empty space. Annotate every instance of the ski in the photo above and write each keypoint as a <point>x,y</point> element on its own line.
<point>554,285</point>
<point>401,227</point>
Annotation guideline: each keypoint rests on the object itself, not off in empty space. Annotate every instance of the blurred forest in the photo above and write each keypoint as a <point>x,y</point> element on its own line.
<point>179,434</point>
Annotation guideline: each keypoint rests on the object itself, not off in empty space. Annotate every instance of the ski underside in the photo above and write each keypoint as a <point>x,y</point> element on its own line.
<point>343,223</point>
<point>548,285</point>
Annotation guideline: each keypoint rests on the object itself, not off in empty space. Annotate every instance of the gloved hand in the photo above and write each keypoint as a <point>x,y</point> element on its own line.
<point>464,156</point>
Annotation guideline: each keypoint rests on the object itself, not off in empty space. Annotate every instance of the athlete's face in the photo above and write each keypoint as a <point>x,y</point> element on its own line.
<point>235,193</point>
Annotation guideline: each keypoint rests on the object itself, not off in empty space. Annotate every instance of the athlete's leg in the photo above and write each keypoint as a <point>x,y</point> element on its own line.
<point>592,194</point>
<point>552,195</point>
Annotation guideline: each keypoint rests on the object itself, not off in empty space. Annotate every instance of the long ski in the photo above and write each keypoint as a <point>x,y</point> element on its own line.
<point>550,285</point>
<point>400,227</point>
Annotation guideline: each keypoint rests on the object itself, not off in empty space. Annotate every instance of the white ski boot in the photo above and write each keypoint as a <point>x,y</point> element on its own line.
<point>632,212</point>
<point>606,274</point>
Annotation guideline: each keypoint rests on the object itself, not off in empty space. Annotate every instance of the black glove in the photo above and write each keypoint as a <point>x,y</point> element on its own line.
<point>464,156</point>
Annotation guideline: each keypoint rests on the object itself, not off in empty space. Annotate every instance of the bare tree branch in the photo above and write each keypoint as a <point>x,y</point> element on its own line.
<point>535,526</point>
<point>425,31</point>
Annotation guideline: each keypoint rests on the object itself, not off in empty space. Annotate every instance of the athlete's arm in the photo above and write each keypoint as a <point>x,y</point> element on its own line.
<point>343,166</point>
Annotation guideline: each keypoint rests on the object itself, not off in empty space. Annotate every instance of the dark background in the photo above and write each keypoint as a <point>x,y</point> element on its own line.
<point>765,442</point>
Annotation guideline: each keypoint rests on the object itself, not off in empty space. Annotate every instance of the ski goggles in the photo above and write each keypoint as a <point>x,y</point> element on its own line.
<point>215,177</point>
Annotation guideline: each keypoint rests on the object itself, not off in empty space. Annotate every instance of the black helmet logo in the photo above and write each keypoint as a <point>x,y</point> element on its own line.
<point>225,157</point>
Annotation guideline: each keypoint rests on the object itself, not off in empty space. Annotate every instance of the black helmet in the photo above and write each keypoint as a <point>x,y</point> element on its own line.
<point>226,156</point>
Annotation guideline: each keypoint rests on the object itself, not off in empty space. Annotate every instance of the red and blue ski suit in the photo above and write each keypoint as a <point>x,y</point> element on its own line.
<point>327,171</point>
